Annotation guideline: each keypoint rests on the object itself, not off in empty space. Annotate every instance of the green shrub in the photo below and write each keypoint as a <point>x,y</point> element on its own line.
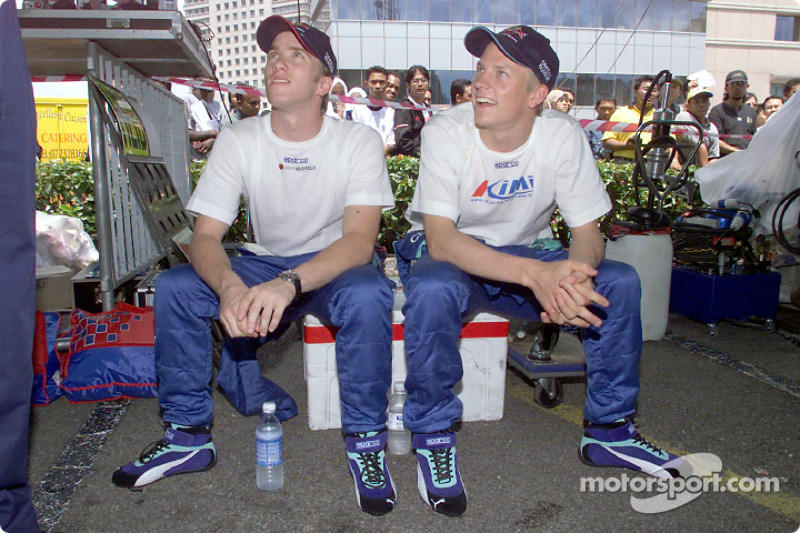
<point>65,187</point>
<point>238,232</point>
<point>403,172</point>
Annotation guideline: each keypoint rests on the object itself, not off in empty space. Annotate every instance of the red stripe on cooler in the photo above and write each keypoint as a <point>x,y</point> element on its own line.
<point>324,334</point>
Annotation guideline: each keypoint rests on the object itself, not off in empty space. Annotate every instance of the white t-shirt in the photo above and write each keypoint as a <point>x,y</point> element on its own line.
<point>710,134</point>
<point>507,198</point>
<point>206,116</point>
<point>297,192</point>
<point>381,121</point>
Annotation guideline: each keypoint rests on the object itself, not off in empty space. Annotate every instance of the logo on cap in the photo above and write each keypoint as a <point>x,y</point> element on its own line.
<point>545,70</point>
<point>515,33</point>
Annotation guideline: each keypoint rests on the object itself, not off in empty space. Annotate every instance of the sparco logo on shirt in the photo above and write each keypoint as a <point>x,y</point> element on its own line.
<point>295,160</point>
<point>504,189</point>
<point>506,164</point>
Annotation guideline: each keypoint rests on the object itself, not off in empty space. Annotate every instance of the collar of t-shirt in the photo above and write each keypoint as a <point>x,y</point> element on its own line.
<point>426,114</point>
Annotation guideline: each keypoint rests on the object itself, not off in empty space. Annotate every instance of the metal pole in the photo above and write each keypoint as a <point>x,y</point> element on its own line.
<point>299,20</point>
<point>100,176</point>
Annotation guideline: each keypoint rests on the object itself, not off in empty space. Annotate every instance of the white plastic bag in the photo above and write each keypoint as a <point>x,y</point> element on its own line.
<point>61,240</point>
<point>763,173</point>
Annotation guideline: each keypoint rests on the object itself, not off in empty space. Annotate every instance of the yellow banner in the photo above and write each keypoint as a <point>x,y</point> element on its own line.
<point>63,131</point>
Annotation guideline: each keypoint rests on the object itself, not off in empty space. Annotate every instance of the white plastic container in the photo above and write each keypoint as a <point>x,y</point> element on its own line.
<point>483,347</point>
<point>651,256</point>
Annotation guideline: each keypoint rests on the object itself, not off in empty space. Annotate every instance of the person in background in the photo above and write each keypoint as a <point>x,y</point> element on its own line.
<point>770,105</point>
<point>751,99</point>
<point>790,87</point>
<point>205,121</point>
<point>18,267</point>
<point>428,98</point>
<point>732,117</point>
<point>246,106</point>
<point>553,97</point>
<point>408,123</point>
<point>604,107</point>
<point>380,119</point>
<point>392,86</point>
<point>622,144</point>
<point>490,177</point>
<point>318,212</point>
<point>337,109</point>
<point>566,101</point>
<point>460,91</point>
<point>698,102</point>
<point>675,91</point>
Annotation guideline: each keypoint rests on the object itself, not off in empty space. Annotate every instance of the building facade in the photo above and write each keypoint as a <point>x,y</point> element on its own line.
<point>761,37</point>
<point>602,44</point>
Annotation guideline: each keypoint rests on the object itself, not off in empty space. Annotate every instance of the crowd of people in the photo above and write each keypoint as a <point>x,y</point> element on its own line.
<point>727,127</point>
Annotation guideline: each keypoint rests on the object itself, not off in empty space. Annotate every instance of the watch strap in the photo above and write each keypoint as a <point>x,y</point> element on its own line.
<point>292,277</point>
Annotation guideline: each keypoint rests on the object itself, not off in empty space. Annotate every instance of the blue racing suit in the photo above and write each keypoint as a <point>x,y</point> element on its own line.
<point>440,297</point>
<point>358,302</point>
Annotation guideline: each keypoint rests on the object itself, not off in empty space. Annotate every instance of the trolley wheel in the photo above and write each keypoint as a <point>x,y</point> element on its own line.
<point>769,325</point>
<point>548,399</point>
<point>712,329</point>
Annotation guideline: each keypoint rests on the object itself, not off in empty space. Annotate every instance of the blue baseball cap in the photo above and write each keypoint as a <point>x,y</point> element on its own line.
<point>522,45</point>
<point>317,43</point>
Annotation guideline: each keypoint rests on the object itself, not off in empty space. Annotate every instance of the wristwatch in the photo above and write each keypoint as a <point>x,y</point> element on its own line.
<point>292,277</point>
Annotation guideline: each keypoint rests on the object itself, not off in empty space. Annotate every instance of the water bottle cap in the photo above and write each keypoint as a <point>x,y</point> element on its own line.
<point>398,386</point>
<point>268,407</point>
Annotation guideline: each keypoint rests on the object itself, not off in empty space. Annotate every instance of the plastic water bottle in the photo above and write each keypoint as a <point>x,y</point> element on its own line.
<point>399,436</point>
<point>269,449</point>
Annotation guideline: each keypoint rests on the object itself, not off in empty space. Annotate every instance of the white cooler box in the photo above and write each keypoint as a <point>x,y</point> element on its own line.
<point>484,348</point>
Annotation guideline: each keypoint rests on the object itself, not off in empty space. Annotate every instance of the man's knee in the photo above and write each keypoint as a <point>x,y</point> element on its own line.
<point>618,276</point>
<point>363,291</point>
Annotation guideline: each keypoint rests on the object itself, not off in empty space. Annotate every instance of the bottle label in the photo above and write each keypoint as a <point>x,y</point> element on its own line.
<point>395,422</point>
<point>269,452</point>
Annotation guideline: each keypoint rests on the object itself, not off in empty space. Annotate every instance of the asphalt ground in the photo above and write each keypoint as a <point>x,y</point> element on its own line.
<point>735,395</point>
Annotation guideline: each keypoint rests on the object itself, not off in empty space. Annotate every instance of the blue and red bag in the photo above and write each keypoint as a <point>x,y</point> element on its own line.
<point>111,355</point>
<point>46,365</point>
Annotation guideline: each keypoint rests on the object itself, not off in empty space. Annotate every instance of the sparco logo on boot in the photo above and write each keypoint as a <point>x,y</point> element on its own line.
<point>437,440</point>
<point>367,444</point>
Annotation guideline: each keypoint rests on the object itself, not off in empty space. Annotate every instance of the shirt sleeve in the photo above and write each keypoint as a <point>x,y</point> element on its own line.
<point>368,179</point>
<point>580,192</point>
<point>437,191</point>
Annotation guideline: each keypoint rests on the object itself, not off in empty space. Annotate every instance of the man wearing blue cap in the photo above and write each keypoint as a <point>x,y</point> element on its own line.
<point>315,188</point>
<point>484,201</point>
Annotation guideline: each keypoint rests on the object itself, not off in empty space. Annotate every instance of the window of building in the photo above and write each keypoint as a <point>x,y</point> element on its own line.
<point>545,12</point>
<point>440,10</point>
<point>484,12</point>
<point>587,13</point>
<point>506,12</point>
<point>567,12</point>
<point>787,28</point>
<point>698,23</point>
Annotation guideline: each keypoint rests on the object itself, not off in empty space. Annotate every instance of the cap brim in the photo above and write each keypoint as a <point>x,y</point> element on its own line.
<point>477,39</point>
<point>270,27</point>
